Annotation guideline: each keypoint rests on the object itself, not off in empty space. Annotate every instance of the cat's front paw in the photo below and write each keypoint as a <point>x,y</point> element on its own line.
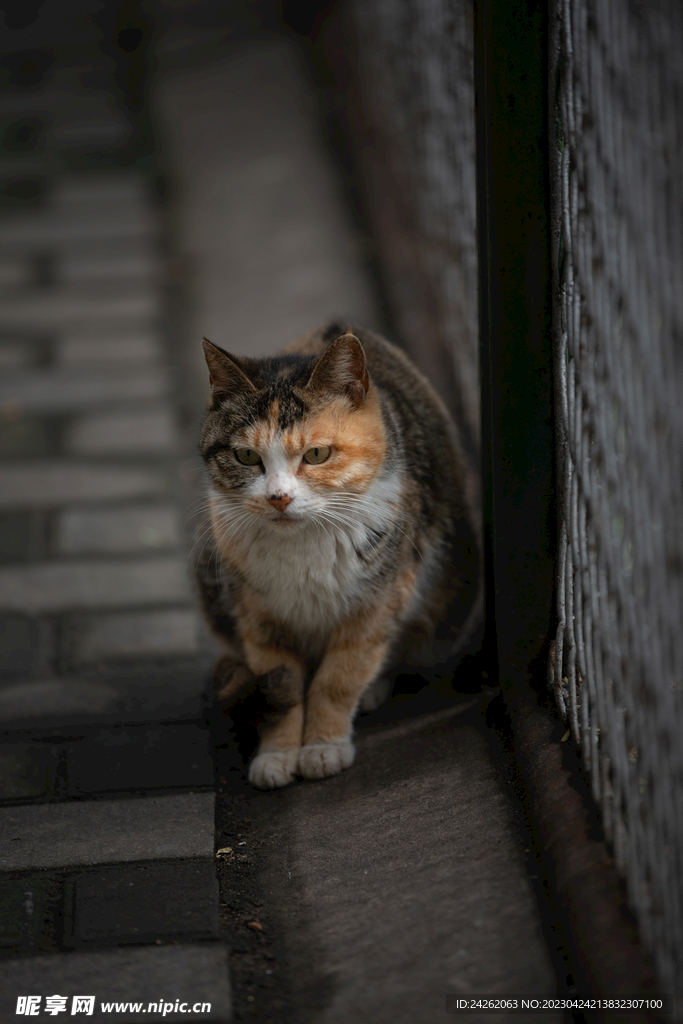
<point>273,768</point>
<point>318,760</point>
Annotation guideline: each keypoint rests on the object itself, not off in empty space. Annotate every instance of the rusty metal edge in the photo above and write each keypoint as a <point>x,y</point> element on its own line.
<point>589,893</point>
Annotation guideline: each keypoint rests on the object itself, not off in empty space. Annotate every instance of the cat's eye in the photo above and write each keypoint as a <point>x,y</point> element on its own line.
<point>315,456</point>
<point>247,456</point>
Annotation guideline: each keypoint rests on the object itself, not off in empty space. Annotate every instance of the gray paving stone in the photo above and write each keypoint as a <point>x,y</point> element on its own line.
<point>61,699</point>
<point>175,691</point>
<point>145,431</point>
<point>93,346</point>
<point>131,528</point>
<point>130,903</point>
<point>125,191</point>
<point>27,645</point>
<point>57,586</point>
<point>136,635</point>
<point>15,273</point>
<point>92,122</point>
<point>70,389</point>
<point>28,770</point>
<point>100,265</point>
<point>45,484</point>
<point>106,831</point>
<point>172,691</point>
<point>42,309</point>
<point>22,438</point>
<point>138,758</point>
<point>23,536</point>
<point>50,228</point>
<point>16,353</point>
<point>31,909</point>
<point>109,248</point>
<point>196,974</point>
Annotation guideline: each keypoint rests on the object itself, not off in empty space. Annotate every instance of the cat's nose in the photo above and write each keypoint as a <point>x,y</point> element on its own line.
<point>279,501</point>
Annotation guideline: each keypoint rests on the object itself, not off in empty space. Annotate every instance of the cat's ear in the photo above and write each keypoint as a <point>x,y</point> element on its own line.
<point>225,376</point>
<point>341,370</point>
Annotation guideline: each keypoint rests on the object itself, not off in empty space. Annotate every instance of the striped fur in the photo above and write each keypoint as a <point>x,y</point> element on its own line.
<point>321,578</point>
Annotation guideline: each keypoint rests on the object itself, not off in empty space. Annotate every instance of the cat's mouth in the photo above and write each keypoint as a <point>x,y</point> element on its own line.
<point>282,519</point>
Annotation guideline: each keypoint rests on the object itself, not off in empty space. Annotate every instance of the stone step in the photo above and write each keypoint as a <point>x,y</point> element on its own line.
<point>41,309</point>
<point>106,831</point>
<point>114,759</point>
<point>146,430</point>
<point>121,530</point>
<point>94,344</point>
<point>38,484</point>
<point>28,231</point>
<point>124,191</point>
<point>138,634</point>
<point>169,690</point>
<point>58,586</point>
<point>196,975</point>
<point>61,390</point>
<point>119,904</point>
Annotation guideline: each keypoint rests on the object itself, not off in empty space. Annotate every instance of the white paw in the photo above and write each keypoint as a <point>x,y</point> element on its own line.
<point>273,768</point>
<point>374,694</point>
<point>317,760</point>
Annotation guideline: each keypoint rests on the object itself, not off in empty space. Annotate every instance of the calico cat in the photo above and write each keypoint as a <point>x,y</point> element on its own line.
<point>341,545</point>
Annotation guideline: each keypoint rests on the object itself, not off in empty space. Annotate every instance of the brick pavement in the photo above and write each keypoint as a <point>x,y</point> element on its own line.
<point>107,869</point>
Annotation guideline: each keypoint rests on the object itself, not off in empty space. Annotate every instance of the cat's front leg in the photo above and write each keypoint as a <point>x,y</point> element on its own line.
<point>269,655</point>
<point>347,668</point>
<point>282,686</point>
<point>353,659</point>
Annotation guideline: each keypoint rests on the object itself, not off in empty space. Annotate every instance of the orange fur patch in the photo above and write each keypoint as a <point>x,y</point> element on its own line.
<point>358,442</point>
<point>353,659</point>
<point>261,435</point>
<point>286,734</point>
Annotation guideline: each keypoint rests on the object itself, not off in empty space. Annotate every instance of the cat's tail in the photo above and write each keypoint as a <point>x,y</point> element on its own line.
<point>233,681</point>
<point>250,701</point>
<point>238,696</point>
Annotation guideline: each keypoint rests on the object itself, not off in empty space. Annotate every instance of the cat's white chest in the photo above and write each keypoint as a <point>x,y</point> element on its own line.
<point>309,580</point>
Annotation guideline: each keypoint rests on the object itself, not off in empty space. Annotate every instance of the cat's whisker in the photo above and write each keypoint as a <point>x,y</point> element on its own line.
<point>372,505</point>
<point>317,522</point>
<point>199,508</point>
<point>334,517</point>
<point>192,513</point>
<point>222,513</point>
<point>225,518</point>
<point>236,527</point>
<point>355,522</point>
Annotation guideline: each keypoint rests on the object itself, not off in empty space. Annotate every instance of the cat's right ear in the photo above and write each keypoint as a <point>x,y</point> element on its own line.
<point>341,370</point>
<point>225,376</point>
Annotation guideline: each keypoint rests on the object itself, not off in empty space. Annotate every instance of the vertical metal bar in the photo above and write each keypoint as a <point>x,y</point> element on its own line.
<point>514,250</point>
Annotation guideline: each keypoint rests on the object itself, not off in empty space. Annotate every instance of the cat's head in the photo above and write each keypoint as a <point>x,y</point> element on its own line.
<point>284,435</point>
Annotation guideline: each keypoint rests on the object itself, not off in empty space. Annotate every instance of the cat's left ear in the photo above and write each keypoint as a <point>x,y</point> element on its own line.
<point>341,370</point>
<point>227,379</point>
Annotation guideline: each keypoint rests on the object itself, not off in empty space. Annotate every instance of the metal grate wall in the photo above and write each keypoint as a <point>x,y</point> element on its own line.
<point>618,326</point>
<point>416,147</point>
